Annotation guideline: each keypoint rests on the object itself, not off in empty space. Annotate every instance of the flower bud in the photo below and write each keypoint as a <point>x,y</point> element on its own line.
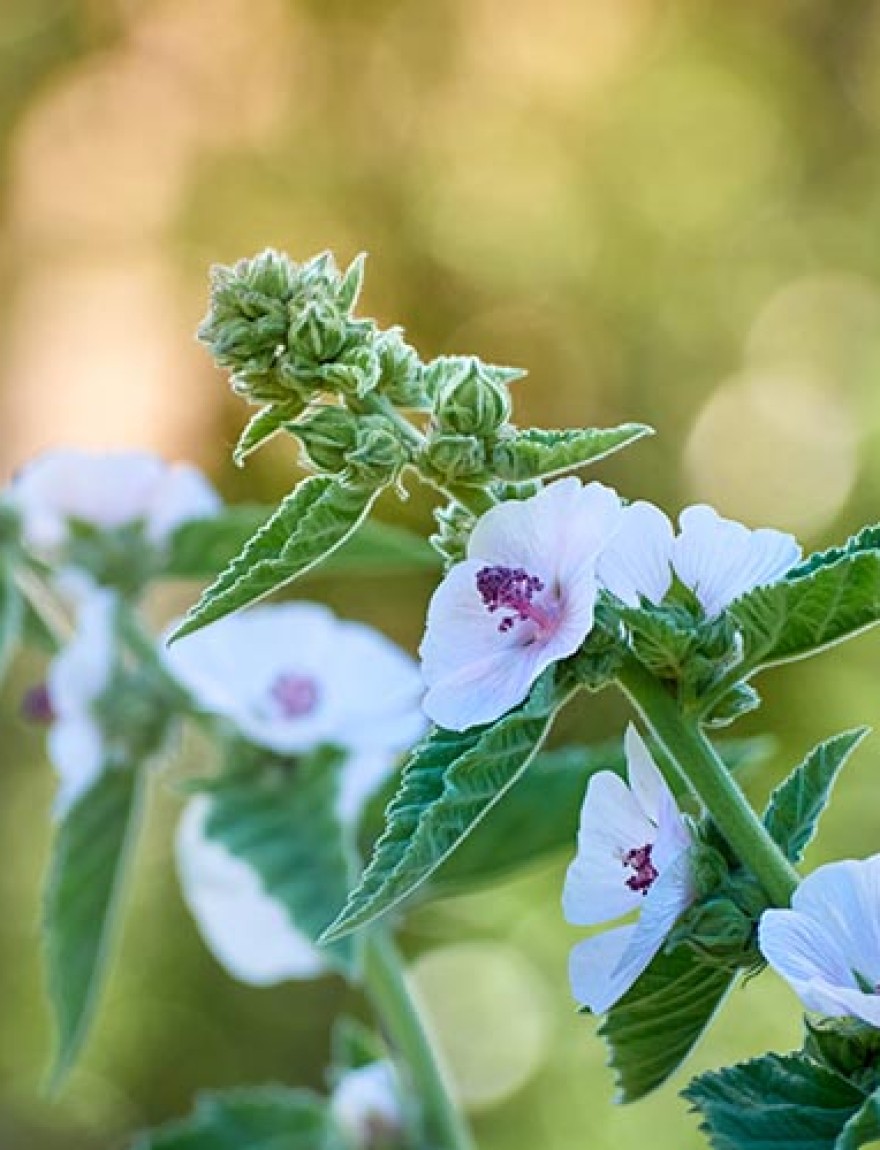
<point>722,932</point>
<point>401,378</point>
<point>318,333</point>
<point>327,435</point>
<point>354,374</point>
<point>379,454</point>
<point>473,399</point>
<point>456,456</point>
<point>454,529</point>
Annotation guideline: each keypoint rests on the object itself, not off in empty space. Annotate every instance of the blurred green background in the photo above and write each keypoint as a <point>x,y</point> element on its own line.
<point>666,211</point>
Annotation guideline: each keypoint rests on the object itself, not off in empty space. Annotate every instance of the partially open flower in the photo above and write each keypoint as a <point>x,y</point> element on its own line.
<point>521,600</point>
<point>827,946</point>
<point>633,855</point>
<point>77,678</point>
<point>107,491</point>
<point>249,933</point>
<point>367,1106</point>
<point>716,558</point>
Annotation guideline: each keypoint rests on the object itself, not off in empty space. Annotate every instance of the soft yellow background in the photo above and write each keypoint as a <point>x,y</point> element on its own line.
<point>666,211</point>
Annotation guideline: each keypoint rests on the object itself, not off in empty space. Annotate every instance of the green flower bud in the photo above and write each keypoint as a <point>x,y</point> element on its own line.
<point>401,378</point>
<point>327,435</point>
<point>472,399</point>
<point>318,333</point>
<point>355,374</point>
<point>380,453</point>
<point>456,456</point>
<point>454,529</point>
<point>721,932</point>
<point>709,869</point>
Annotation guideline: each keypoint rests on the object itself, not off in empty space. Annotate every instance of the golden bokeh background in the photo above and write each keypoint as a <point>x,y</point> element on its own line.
<point>667,210</point>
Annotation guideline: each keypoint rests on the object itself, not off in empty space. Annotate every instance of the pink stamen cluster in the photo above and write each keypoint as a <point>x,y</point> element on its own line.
<point>512,588</point>
<point>644,871</point>
<point>295,695</point>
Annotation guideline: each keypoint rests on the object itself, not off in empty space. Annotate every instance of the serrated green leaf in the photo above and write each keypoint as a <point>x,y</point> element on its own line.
<point>203,547</point>
<point>777,1102</point>
<point>252,1118</point>
<point>863,1129</point>
<point>537,453</point>
<point>281,820</point>
<point>81,904</point>
<point>838,597</point>
<point>449,785</point>
<point>657,1023</point>
<point>267,422</point>
<point>315,519</point>
<point>797,804</point>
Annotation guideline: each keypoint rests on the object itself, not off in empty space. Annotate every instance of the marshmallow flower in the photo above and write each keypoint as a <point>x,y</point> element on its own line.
<point>107,491</point>
<point>718,559</point>
<point>632,855</point>
<point>521,600</point>
<point>77,678</point>
<point>290,677</point>
<point>828,945</point>
<point>366,1106</point>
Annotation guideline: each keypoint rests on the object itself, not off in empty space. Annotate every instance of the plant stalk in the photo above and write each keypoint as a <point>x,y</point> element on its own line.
<point>711,782</point>
<point>392,999</point>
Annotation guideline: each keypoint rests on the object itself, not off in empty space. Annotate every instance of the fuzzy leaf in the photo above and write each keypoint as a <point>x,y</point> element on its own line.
<point>831,597</point>
<point>262,426</point>
<point>250,1118</point>
<point>777,1102</point>
<point>863,1129</point>
<point>281,820</point>
<point>82,900</point>
<point>448,786</point>
<point>797,804</point>
<point>315,519</point>
<point>203,547</point>
<point>536,453</point>
<point>657,1023</point>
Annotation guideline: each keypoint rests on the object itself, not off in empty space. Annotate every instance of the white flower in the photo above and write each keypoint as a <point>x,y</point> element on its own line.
<point>718,559</point>
<point>828,945</point>
<point>108,491</point>
<point>249,933</point>
<point>292,677</point>
<point>366,1105</point>
<point>77,677</point>
<point>522,599</point>
<point>633,854</point>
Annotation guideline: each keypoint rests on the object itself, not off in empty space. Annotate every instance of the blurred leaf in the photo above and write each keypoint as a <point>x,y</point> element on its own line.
<point>797,804</point>
<point>863,1129</point>
<point>250,1118</point>
<point>280,818</point>
<point>836,599</point>
<point>354,1045</point>
<point>82,902</point>
<point>448,786</point>
<point>12,617</point>
<point>202,547</point>
<point>777,1102</point>
<point>267,422</point>
<point>657,1023</point>
<point>315,519</point>
<point>536,453</point>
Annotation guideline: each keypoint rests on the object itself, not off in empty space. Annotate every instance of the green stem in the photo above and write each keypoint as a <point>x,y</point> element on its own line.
<point>387,987</point>
<point>711,782</point>
<point>45,605</point>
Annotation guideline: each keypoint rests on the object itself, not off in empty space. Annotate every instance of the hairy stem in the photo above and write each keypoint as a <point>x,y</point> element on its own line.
<point>387,987</point>
<point>711,782</point>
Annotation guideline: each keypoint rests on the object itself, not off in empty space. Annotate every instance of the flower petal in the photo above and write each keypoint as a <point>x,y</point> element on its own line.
<point>844,899</point>
<point>636,563</point>
<point>612,823</point>
<point>77,752</point>
<point>592,964</point>
<point>806,954</point>
<point>645,779</point>
<point>362,774</point>
<point>248,933</point>
<point>182,493</point>
<point>720,559</point>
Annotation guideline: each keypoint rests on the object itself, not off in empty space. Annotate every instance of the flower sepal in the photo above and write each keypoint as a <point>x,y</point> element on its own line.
<point>847,1045</point>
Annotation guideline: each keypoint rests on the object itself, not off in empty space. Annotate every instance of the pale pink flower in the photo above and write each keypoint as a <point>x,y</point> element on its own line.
<point>827,946</point>
<point>108,491</point>
<point>521,600</point>
<point>718,559</point>
<point>632,855</point>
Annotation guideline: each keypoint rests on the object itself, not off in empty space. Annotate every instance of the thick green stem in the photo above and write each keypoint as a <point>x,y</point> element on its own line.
<point>711,782</point>
<point>386,985</point>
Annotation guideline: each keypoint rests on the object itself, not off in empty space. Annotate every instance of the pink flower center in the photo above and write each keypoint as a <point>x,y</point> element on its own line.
<point>513,589</point>
<point>36,706</point>
<point>644,871</point>
<point>294,695</point>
